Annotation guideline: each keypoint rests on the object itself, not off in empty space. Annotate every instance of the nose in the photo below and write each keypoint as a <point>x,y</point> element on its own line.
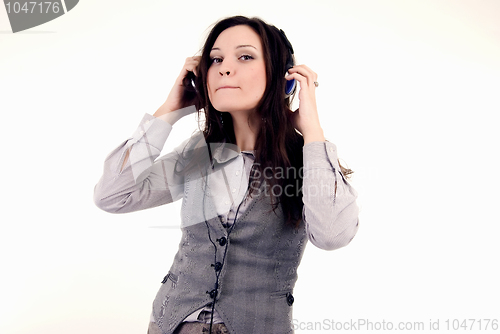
<point>224,72</point>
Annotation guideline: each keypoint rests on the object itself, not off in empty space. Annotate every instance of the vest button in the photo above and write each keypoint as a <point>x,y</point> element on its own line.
<point>289,299</point>
<point>222,241</point>
<point>212,293</point>
<point>217,266</point>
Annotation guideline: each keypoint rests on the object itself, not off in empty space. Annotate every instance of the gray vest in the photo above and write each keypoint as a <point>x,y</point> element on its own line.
<point>254,294</point>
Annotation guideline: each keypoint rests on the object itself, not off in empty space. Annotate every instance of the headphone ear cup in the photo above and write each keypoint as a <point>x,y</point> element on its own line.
<point>290,87</point>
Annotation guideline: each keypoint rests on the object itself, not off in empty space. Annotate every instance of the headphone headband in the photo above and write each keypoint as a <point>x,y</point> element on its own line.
<point>290,85</point>
<point>287,42</point>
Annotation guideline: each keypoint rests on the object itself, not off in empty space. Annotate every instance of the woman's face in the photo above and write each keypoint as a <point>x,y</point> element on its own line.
<point>237,75</point>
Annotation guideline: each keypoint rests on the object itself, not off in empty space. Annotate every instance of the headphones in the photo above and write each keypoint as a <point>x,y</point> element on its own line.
<point>291,85</point>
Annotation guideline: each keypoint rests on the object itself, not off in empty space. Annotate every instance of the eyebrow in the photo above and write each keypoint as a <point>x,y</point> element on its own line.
<point>239,46</point>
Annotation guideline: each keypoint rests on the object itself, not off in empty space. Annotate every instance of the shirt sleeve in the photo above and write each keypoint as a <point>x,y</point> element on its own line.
<point>330,211</point>
<point>133,178</point>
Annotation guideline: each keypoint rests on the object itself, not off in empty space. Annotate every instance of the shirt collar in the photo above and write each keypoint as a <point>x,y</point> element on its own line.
<point>223,152</point>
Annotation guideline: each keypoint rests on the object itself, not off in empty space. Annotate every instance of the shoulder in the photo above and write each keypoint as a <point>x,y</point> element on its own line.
<point>193,151</point>
<point>195,141</point>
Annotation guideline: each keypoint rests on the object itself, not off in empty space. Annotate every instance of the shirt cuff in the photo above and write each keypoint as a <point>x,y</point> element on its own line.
<point>153,131</point>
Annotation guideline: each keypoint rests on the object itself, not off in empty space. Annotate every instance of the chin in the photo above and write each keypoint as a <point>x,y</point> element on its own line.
<point>227,107</point>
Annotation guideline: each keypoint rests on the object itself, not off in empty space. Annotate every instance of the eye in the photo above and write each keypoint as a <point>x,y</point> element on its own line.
<point>216,60</point>
<point>246,57</point>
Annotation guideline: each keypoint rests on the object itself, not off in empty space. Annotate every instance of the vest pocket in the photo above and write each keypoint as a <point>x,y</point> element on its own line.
<point>285,295</point>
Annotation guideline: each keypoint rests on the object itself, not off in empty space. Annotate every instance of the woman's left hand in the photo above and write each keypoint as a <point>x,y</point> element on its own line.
<point>305,119</point>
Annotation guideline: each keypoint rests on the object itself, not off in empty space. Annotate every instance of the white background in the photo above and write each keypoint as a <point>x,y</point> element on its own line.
<point>409,92</point>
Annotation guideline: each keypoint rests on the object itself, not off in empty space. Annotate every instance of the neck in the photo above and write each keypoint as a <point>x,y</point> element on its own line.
<point>245,129</point>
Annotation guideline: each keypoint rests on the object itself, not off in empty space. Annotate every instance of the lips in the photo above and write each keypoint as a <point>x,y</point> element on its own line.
<point>227,87</point>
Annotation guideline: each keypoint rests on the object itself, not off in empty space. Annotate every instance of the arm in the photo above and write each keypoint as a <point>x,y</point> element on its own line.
<point>330,211</point>
<point>132,177</point>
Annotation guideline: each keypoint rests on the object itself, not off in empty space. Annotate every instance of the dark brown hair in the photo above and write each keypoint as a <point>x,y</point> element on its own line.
<point>279,146</point>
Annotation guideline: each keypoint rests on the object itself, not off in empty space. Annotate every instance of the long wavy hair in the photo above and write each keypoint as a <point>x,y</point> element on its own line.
<point>278,149</point>
<point>279,145</point>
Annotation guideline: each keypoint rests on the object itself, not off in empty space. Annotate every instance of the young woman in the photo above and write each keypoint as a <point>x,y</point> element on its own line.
<point>254,190</point>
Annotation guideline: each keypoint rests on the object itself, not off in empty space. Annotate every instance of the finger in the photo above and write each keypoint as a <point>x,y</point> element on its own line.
<point>195,61</point>
<point>303,81</point>
<point>304,71</point>
<point>311,77</point>
<point>191,64</point>
<point>192,67</point>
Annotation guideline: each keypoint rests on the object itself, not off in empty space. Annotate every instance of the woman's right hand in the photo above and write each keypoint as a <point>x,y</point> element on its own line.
<point>178,97</point>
